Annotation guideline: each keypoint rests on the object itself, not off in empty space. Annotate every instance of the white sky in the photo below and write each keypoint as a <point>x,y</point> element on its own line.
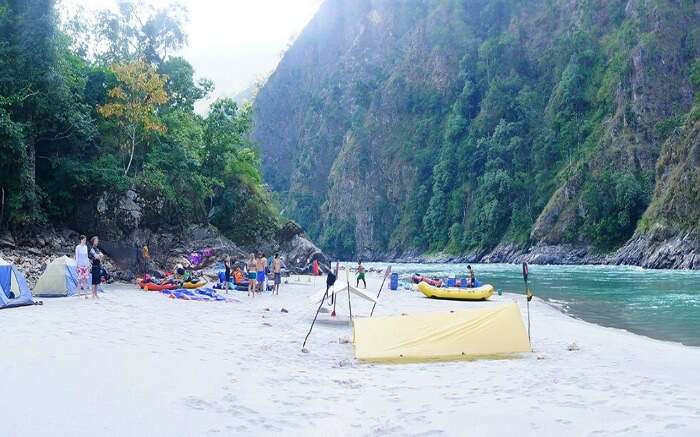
<point>233,42</point>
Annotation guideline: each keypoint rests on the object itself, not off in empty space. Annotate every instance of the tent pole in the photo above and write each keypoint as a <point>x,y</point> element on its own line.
<point>528,297</point>
<point>347,276</point>
<point>380,292</point>
<point>313,322</point>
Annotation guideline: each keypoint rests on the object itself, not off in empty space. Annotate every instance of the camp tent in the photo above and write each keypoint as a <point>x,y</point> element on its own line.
<point>59,279</point>
<point>483,332</point>
<point>13,287</point>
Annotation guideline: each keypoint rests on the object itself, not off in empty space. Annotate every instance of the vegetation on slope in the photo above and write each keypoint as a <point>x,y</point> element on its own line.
<point>100,107</point>
<point>462,125</point>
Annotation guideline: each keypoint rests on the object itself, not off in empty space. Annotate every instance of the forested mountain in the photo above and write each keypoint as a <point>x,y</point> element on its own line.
<point>97,127</point>
<point>491,128</point>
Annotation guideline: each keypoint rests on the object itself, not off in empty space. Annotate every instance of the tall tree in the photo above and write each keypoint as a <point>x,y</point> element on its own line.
<point>133,105</point>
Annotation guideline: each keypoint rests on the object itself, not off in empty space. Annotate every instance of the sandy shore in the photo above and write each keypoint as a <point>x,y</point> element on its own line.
<point>137,363</point>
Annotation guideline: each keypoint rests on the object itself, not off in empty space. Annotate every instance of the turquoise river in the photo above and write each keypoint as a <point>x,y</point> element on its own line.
<point>662,304</point>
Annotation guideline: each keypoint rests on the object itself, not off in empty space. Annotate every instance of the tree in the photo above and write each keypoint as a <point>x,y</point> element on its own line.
<point>42,110</point>
<point>133,105</point>
<point>183,90</point>
<point>139,31</point>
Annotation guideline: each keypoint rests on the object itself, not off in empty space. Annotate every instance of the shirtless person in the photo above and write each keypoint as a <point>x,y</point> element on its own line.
<point>251,267</point>
<point>261,264</point>
<point>361,275</point>
<point>277,271</point>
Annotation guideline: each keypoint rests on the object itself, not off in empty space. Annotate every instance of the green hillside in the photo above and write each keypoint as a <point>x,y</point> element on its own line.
<point>464,127</point>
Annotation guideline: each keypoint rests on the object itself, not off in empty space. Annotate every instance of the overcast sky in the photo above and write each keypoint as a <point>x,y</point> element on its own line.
<point>233,42</point>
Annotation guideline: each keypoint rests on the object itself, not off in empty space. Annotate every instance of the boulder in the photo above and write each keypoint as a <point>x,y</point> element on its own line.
<point>6,240</point>
<point>299,254</point>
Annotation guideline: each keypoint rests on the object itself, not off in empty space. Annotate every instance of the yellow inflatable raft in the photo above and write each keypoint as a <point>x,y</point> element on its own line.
<point>479,293</point>
<point>192,285</point>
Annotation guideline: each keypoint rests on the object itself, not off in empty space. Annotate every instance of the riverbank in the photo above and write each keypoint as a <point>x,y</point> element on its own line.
<point>650,251</point>
<point>137,363</point>
<point>661,304</point>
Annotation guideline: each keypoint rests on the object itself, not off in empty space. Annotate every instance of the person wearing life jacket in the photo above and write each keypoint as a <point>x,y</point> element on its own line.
<point>237,276</point>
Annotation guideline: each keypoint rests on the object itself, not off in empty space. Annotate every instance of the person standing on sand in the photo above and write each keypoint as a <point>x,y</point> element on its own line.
<point>361,275</point>
<point>251,268</point>
<point>82,262</point>
<point>471,277</point>
<point>227,267</point>
<point>277,271</point>
<point>261,264</point>
<point>96,257</point>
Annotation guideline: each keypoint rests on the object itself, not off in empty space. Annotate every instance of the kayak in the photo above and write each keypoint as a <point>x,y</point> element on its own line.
<point>193,285</point>
<point>158,287</point>
<point>417,279</point>
<point>152,286</point>
<point>478,293</point>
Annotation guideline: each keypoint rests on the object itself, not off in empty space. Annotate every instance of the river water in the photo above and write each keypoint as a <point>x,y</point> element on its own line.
<point>662,304</point>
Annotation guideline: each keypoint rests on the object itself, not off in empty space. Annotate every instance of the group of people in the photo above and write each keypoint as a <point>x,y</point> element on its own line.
<point>257,270</point>
<point>89,264</point>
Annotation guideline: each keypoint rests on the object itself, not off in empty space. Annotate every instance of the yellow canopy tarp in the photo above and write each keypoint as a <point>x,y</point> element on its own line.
<point>484,332</point>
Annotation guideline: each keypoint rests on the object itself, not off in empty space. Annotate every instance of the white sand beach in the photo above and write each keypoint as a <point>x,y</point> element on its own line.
<point>136,363</point>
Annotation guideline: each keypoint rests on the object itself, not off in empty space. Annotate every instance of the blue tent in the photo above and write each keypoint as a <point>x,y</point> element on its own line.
<point>14,291</point>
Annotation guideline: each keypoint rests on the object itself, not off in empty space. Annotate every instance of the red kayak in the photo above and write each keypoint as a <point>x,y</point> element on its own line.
<point>417,279</point>
<point>150,286</point>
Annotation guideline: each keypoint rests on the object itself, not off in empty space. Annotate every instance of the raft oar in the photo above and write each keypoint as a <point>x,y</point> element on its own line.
<point>528,294</point>
<point>387,273</point>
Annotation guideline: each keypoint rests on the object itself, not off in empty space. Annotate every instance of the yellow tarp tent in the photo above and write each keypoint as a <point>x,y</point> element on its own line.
<point>485,332</point>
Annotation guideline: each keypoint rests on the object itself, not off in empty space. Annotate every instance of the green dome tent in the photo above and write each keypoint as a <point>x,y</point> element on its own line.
<point>59,279</point>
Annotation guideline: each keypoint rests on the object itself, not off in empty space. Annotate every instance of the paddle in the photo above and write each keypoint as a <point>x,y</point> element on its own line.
<point>528,293</point>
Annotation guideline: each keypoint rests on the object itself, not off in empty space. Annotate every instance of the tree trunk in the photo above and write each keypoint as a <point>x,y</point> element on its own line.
<point>30,181</point>
<point>2,205</point>
<point>131,154</point>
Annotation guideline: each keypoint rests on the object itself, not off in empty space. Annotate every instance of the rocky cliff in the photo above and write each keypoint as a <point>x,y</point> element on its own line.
<point>125,225</point>
<point>494,130</point>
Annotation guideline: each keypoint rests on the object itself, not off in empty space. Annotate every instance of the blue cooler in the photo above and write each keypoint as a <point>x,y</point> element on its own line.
<point>394,281</point>
<point>451,282</point>
<point>463,282</point>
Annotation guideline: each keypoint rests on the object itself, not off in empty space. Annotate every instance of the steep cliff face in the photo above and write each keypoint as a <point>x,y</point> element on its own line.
<point>669,233</point>
<point>481,127</point>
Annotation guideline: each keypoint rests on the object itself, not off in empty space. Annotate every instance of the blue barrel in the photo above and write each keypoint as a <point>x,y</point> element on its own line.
<point>463,282</point>
<point>451,282</point>
<point>394,281</point>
